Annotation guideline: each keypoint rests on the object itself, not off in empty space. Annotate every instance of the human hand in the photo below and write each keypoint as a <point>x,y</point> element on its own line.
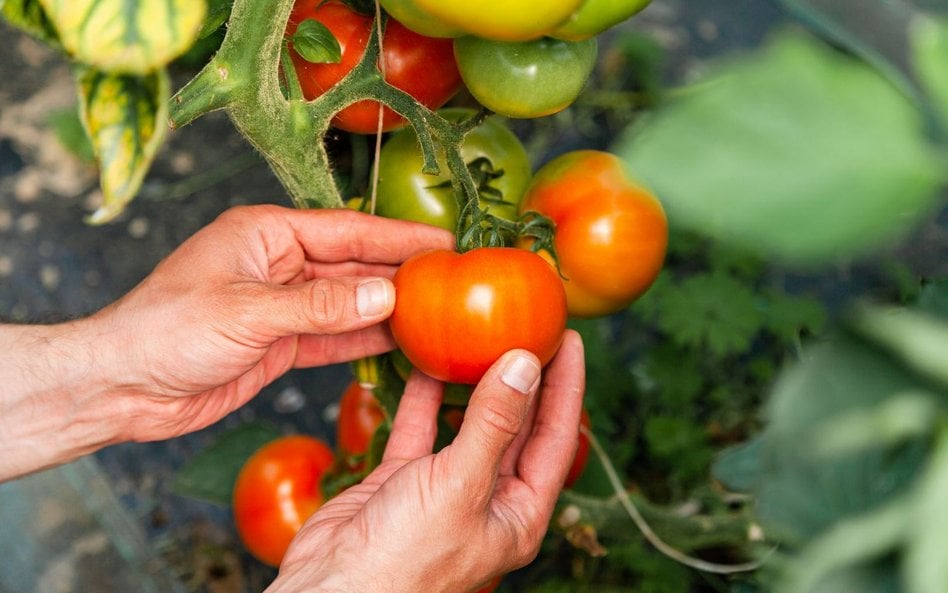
<point>259,291</point>
<point>450,521</point>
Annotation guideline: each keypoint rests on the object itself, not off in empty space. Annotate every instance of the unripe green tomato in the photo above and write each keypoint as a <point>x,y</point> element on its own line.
<point>407,193</point>
<point>595,16</point>
<point>525,79</point>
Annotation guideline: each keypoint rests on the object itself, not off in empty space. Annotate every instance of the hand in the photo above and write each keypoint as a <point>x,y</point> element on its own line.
<point>450,521</point>
<point>259,291</point>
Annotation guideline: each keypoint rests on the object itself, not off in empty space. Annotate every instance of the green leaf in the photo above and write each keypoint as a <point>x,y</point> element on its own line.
<point>29,16</point>
<point>795,152</point>
<point>802,491</point>
<point>738,467</point>
<point>68,128</point>
<point>930,58</point>
<point>917,338</point>
<point>210,475</point>
<point>218,12</point>
<point>849,542</point>
<point>126,37</point>
<point>316,43</point>
<point>925,568</point>
<point>125,118</point>
<point>712,310</point>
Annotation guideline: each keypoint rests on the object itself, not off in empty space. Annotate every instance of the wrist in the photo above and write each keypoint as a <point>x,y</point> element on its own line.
<point>56,403</point>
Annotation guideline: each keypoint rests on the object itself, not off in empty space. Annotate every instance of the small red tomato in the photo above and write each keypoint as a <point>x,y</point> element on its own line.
<point>277,489</point>
<point>582,455</point>
<point>360,414</point>
<point>423,67</point>
<point>456,314</point>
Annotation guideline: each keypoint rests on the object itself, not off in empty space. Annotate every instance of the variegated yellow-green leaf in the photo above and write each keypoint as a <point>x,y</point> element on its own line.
<point>125,118</point>
<point>29,16</point>
<point>126,36</point>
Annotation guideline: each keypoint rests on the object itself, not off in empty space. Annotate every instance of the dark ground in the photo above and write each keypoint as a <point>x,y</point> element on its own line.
<point>111,523</point>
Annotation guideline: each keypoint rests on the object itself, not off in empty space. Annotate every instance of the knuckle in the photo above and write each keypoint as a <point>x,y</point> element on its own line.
<point>501,418</point>
<point>328,303</point>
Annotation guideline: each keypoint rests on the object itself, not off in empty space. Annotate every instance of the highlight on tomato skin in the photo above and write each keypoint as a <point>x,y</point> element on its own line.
<point>277,489</point>
<point>611,232</point>
<point>456,314</point>
<point>360,415</point>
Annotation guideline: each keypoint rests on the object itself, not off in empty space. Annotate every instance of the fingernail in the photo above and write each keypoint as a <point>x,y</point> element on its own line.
<point>372,298</point>
<point>521,373</point>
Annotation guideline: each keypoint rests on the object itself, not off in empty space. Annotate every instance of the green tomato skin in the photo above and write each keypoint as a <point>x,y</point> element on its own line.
<point>406,193</point>
<point>596,16</point>
<point>408,13</point>
<point>525,79</point>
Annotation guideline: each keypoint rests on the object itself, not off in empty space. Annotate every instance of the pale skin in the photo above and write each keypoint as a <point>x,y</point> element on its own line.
<point>263,290</point>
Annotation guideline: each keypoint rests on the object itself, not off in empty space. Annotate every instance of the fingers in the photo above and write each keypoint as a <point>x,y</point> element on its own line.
<point>415,426</point>
<point>496,413</point>
<point>326,306</point>
<point>548,452</point>
<point>336,235</point>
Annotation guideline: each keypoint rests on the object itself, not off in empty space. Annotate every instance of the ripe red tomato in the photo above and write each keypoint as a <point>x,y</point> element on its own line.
<point>423,67</point>
<point>456,314</point>
<point>360,414</point>
<point>277,489</point>
<point>582,455</point>
<point>611,233</point>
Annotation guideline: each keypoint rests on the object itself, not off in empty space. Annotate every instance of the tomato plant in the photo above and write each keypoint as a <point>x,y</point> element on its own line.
<point>456,314</point>
<point>501,19</point>
<point>611,233</point>
<point>360,414</point>
<point>423,67</point>
<point>525,79</point>
<point>495,156</point>
<point>276,490</point>
<point>595,16</point>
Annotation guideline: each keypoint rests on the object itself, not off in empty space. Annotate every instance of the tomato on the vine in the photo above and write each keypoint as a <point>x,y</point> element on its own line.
<point>456,314</point>
<point>421,66</point>
<point>582,454</point>
<point>528,78</point>
<point>595,16</point>
<point>501,19</point>
<point>495,155</point>
<point>408,13</point>
<point>611,232</point>
<point>360,415</point>
<point>276,490</point>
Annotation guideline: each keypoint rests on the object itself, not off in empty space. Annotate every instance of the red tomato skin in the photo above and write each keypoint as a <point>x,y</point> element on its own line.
<point>423,67</point>
<point>582,455</point>
<point>611,232</point>
<point>276,490</point>
<point>456,314</point>
<point>360,414</point>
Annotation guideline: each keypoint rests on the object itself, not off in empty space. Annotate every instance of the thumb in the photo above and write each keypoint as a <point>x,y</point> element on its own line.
<point>497,412</point>
<point>330,305</point>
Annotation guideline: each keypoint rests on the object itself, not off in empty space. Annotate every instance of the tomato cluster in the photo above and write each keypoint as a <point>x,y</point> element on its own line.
<point>581,236</point>
<point>522,59</point>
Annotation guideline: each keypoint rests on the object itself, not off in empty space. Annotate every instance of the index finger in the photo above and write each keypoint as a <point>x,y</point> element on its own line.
<point>549,449</point>
<point>340,235</point>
